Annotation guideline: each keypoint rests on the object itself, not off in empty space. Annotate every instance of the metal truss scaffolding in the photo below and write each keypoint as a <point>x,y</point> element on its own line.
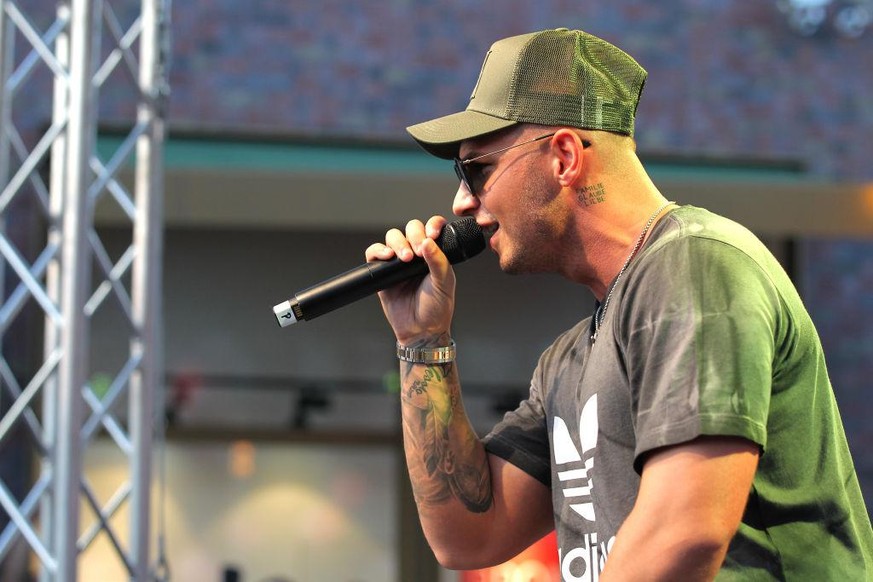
<point>65,55</point>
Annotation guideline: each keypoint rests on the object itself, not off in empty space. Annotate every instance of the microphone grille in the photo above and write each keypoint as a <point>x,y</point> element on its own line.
<point>461,240</point>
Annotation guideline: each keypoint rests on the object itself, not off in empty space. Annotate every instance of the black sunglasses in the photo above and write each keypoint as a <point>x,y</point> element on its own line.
<point>472,181</point>
<point>461,165</point>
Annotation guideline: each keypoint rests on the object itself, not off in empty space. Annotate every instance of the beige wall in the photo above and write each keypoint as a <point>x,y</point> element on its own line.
<point>220,286</point>
<point>305,513</point>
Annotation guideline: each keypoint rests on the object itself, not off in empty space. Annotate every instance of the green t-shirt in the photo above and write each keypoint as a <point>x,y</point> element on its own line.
<point>704,335</point>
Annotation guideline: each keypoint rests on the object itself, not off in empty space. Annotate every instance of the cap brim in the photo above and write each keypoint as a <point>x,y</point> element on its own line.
<point>442,137</point>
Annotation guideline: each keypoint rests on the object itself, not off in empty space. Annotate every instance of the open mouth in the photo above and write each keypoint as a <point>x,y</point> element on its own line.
<point>489,229</point>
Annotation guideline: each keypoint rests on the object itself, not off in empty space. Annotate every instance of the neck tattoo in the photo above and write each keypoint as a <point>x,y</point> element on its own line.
<point>601,309</point>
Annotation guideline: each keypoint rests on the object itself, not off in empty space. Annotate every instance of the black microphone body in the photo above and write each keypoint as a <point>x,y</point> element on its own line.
<point>459,240</point>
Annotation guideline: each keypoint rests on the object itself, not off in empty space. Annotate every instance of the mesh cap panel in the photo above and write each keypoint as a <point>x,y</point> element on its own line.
<point>553,77</point>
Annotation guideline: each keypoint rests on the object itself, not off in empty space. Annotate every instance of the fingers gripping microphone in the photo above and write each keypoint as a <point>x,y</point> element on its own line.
<point>459,240</point>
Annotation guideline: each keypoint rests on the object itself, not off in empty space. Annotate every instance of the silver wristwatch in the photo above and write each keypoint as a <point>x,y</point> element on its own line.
<point>439,355</point>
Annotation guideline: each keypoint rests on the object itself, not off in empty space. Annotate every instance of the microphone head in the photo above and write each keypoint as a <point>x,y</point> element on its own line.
<point>461,240</point>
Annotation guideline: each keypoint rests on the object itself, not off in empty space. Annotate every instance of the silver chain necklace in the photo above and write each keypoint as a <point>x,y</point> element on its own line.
<point>601,309</point>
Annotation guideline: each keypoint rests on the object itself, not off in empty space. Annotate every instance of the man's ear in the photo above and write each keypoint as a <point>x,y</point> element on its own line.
<point>568,157</point>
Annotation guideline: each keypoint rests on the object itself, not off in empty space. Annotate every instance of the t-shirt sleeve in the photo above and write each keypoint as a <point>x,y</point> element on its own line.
<point>521,438</point>
<point>697,336</point>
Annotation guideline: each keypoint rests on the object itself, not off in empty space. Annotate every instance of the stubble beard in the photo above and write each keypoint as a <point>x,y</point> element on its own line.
<point>529,251</point>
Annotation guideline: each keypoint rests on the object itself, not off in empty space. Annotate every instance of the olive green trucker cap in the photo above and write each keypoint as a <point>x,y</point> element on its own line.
<point>553,77</point>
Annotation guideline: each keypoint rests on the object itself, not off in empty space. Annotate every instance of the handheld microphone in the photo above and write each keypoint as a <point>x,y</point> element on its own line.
<point>459,240</point>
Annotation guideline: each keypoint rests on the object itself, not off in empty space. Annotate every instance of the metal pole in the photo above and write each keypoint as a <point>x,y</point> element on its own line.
<point>60,280</point>
<point>7,52</point>
<point>54,237</point>
<point>75,274</point>
<point>146,291</point>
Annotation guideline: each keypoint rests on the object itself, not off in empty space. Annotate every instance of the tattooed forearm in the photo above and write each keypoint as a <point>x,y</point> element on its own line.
<point>472,485</point>
<point>419,387</point>
<point>444,455</point>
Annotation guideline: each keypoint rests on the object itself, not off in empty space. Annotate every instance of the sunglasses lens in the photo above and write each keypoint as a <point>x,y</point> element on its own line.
<point>462,175</point>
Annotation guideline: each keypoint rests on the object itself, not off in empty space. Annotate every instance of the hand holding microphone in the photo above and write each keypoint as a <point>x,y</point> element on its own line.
<point>459,240</point>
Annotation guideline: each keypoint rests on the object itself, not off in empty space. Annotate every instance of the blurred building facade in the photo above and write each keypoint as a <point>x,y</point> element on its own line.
<point>729,81</point>
<point>287,154</point>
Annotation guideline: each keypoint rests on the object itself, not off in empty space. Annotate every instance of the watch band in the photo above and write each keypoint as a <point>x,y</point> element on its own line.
<point>439,355</point>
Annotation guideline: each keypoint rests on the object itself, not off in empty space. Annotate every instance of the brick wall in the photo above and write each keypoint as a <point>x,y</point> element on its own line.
<point>727,78</point>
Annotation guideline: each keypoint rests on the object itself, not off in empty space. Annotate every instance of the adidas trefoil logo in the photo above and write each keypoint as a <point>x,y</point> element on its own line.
<point>574,468</point>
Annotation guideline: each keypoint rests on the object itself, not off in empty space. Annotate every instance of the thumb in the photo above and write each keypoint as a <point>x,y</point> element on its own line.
<point>438,264</point>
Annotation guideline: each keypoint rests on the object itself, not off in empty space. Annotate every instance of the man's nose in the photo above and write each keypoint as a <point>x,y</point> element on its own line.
<point>465,202</point>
